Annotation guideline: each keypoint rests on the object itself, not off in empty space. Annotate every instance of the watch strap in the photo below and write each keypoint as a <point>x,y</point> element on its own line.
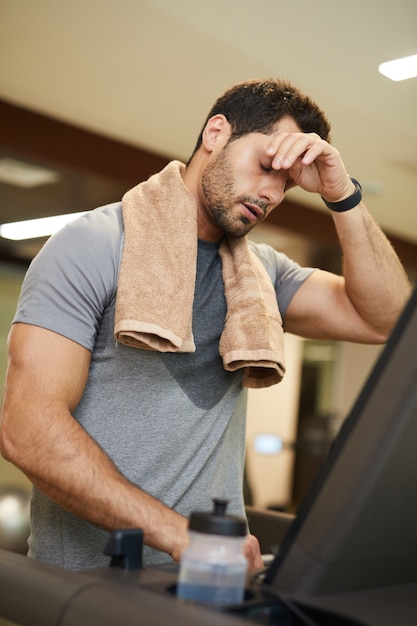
<point>347,203</point>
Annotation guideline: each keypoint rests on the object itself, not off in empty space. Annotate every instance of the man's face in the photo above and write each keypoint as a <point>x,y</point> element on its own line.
<point>238,185</point>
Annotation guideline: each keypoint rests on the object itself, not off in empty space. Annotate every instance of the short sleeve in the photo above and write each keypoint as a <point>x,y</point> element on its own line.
<point>74,277</point>
<point>287,276</point>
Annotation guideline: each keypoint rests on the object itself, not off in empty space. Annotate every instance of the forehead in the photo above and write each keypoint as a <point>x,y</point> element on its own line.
<point>259,141</point>
<point>286,124</point>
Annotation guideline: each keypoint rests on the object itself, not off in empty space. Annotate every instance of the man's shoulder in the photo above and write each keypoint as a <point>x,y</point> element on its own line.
<point>105,220</point>
<point>96,234</point>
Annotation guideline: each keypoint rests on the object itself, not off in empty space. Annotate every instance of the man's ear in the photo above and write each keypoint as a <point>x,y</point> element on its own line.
<point>216,132</point>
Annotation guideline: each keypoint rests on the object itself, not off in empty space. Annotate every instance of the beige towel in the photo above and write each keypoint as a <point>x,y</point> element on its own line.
<point>157,280</point>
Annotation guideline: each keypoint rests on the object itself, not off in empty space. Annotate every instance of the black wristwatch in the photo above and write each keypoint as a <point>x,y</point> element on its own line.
<point>347,203</point>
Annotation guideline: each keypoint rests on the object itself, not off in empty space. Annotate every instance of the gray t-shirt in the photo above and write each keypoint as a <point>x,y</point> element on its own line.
<point>174,424</point>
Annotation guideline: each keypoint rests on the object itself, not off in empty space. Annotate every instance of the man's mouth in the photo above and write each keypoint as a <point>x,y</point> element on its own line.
<point>253,211</point>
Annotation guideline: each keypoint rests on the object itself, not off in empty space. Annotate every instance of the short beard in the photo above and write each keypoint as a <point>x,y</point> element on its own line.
<point>218,188</point>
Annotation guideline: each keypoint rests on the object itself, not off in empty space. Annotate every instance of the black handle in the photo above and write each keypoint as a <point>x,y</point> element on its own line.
<point>125,548</point>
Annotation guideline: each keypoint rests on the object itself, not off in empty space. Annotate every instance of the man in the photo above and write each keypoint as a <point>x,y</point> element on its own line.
<point>117,434</point>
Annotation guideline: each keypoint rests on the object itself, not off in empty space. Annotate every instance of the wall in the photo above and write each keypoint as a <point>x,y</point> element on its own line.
<point>10,281</point>
<point>353,365</point>
<point>273,411</point>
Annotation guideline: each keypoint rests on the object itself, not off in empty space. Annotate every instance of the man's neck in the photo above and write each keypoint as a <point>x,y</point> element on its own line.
<point>191,175</point>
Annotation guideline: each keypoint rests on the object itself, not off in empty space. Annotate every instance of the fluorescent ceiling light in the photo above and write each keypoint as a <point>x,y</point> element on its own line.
<point>15,172</point>
<point>400,69</point>
<point>40,227</point>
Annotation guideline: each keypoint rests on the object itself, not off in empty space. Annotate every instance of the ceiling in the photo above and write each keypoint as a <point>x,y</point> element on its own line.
<point>146,73</point>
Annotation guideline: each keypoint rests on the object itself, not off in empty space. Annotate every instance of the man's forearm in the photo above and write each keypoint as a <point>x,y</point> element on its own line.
<point>122,505</point>
<point>71,469</point>
<point>376,281</point>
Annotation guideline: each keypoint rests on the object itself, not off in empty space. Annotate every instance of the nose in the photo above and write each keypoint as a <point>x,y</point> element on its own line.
<point>272,190</point>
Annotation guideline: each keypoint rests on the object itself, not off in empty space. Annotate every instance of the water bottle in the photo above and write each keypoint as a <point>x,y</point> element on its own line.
<point>213,567</point>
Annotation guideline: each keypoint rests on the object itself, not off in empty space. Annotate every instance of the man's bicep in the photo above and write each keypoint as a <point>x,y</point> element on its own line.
<point>321,309</point>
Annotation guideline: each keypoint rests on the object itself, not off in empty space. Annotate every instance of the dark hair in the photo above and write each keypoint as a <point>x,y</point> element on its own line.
<point>255,106</point>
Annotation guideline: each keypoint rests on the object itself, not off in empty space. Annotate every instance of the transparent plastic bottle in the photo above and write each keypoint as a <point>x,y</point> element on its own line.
<point>213,567</point>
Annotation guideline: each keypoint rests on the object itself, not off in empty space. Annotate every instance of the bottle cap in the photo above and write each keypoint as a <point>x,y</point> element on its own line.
<point>217,522</point>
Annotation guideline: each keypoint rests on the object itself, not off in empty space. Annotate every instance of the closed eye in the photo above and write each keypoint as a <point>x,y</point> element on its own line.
<point>264,168</point>
<point>289,183</point>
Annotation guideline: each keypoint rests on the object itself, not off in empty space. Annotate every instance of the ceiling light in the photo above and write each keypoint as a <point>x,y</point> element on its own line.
<point>15,172</point>
<point>400,69</point>
<point>40,227</point>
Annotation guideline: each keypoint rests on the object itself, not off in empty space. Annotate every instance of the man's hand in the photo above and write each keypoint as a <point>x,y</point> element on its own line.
<point>252,552</point>
<point>312,163</point>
